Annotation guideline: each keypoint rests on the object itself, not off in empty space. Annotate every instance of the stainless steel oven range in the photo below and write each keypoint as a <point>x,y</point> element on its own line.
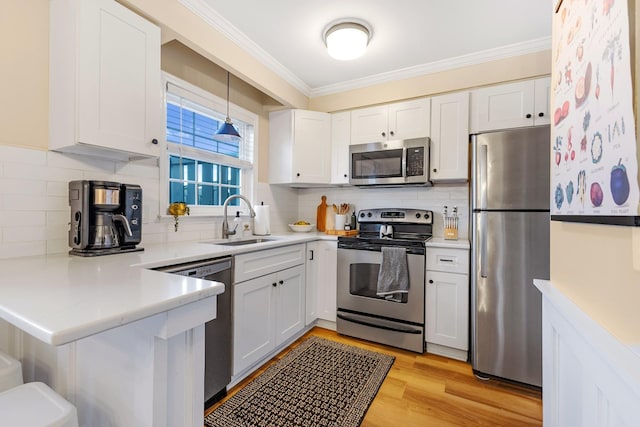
<point>362,313</point>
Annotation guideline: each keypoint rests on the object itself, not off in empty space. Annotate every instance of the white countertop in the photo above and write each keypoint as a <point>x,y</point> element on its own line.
<point>439,242</point>
<point>62,298</point>
<point>625,353</point>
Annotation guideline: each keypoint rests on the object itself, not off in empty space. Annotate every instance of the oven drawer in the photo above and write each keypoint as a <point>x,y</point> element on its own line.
<point>448,260</point>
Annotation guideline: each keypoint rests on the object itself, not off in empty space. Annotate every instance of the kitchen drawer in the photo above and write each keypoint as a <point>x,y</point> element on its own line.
<point>449,260</point>
<point>256,264</point>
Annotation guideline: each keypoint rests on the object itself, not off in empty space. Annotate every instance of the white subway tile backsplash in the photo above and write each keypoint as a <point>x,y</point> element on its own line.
<point>79,162</point>
<point>57,232</point>
<point>23,234</point>
<point>57,203</point>
<point>10,155</point>
<point>147,168</point>
<point>20,249</point>
<point>24,202</point>
<point>21,186</point>
<point>34,201</point>
<point>57,188</point>
<point>57,246</point>
<point>58,218</point>
<point>28,172</point>
<point>18,218</point>
<point>431,198</point>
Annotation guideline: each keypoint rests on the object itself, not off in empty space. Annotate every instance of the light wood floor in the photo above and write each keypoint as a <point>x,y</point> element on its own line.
<point>428,390</point>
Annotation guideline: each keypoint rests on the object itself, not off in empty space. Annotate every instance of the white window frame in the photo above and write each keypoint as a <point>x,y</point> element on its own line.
<point>249,168</point>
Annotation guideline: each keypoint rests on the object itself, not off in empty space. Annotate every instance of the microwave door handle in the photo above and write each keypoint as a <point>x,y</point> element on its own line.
<point>404,163</point>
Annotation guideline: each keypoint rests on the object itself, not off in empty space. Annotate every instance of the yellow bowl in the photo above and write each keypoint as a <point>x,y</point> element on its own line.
<point>301,228</point>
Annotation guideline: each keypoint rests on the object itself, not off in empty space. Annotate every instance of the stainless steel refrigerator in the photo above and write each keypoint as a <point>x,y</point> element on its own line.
<point>509,248</point>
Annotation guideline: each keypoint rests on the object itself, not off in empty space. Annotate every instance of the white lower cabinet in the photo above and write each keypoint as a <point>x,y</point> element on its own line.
<point>589,376</point>
<point>268,302</point>
<point>447,302</point>
<point>322,260</point>
<point>268,310</point>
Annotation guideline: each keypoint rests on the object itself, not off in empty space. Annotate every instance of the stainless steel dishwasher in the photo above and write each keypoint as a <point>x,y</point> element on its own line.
<point>218,339</point>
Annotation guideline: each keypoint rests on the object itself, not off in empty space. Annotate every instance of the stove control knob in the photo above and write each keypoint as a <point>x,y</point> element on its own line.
<point>369,214</point>
<point>418,215</point>
<point>361,214</point>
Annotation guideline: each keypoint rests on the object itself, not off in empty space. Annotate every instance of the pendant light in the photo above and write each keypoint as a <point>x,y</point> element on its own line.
<point>227,132</point>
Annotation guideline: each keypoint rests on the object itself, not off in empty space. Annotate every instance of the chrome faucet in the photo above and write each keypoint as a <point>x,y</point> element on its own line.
<point>225,224</point>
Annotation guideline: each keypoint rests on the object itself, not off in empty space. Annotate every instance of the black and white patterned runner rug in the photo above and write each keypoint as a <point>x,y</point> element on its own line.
<point>318,383</point>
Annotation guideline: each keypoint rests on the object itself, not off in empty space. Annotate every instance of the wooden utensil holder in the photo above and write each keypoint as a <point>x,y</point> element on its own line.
<point>451,228</point>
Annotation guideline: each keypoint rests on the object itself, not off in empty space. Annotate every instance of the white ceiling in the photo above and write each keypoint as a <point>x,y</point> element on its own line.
<point>410,37</point>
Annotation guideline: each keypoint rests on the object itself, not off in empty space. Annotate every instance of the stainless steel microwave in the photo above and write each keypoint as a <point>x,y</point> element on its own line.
<point>399,162</point>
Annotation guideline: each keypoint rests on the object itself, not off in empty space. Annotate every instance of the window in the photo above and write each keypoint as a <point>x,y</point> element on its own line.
<point>200,171</point>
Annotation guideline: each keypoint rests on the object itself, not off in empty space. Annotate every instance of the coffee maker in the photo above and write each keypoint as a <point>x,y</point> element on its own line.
<point>106,217</point>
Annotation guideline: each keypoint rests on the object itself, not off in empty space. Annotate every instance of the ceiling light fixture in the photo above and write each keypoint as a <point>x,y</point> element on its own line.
<point>347,39</point>
<point>227,133</point>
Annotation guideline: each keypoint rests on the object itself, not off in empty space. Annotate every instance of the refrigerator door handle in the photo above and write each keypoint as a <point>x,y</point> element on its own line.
<point>482,178</point>
<point>483,244</point>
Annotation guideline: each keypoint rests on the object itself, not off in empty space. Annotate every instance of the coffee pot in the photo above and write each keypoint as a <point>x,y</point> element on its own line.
<point>106,217</point>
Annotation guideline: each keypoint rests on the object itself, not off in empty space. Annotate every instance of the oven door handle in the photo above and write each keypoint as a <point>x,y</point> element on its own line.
<point>371,322</point>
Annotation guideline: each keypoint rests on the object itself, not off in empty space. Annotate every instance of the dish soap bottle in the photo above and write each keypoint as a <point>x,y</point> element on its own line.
<point>237,225</point>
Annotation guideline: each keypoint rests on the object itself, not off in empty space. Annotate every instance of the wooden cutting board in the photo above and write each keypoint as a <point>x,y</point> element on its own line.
<point>343,232</point>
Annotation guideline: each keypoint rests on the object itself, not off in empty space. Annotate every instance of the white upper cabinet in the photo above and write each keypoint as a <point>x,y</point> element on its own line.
<point>401,120</point>
<point>511,105</point>
<point>299,147</point>
<point>450,137</point>
<point>340,140</point>
<point>105,89</point>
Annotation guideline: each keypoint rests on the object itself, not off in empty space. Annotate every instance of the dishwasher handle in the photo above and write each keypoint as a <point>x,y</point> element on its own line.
<point>199,268</point>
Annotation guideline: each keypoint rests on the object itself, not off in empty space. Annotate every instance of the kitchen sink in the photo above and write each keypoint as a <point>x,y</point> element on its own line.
<point>239,242</point>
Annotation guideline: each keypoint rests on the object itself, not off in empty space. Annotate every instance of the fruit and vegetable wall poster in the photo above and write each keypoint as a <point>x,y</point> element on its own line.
<point>594,167</point>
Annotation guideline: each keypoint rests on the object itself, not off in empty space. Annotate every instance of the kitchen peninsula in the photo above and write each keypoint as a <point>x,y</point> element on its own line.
<point>123,343</point>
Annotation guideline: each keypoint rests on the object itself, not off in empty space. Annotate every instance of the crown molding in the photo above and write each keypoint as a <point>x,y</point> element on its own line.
<point>437,66</point>
<point>202,9</point>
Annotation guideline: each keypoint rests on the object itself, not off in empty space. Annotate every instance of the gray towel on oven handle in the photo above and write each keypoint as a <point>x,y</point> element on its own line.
<point>393,277</point>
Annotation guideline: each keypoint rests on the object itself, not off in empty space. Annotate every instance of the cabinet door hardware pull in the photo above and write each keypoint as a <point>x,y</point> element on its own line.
<point>274,284</point>
<point>430,280</point>
<point>541,114</point>
<point>154,141</point>
<point>311,252</point>
<point>384,134</point>
<point>528,116</point>
<point>446,260</point>
<point>391,133</point>
<point>281,282</point>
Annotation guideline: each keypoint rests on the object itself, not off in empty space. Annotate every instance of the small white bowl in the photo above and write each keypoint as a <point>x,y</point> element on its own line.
<point>301,228</point>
